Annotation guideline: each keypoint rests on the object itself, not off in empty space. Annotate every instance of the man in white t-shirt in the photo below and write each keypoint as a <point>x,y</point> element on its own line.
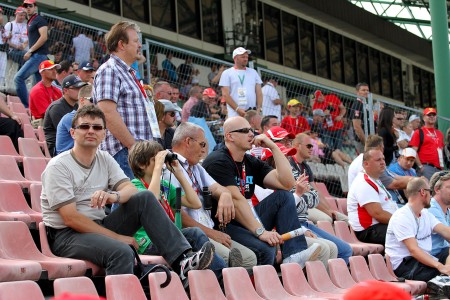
<point>408,240</point>
<point>241,86</point>
<point>272,102</point>
<point>369,204</point>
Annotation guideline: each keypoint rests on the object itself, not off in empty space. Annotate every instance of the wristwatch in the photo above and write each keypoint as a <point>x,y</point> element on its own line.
<point>118,196</point>
<point>259,231</point>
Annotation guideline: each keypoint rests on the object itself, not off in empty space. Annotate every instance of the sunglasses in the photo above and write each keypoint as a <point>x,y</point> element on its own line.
<point>309,146</point>
<point>431,115</point>
<point>202,144</point>
<point>28,5</point>
<point>90,99</point>
<point>96,127</point>
<point>243,130</point>
<point>172,113</point>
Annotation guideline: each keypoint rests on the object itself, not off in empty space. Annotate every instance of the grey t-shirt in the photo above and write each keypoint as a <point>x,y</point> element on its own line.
<point>65,180</point>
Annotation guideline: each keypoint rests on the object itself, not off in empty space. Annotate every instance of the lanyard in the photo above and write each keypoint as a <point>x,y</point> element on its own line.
<point>298,166</point>
<point>415,219</point>
<point>139,84</point>
<point>30,20</point>
<point>163,201</point>
<point>433,135</point>
<point>242,174</point>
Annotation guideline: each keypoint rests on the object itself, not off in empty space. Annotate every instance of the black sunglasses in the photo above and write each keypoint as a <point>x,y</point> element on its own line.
<point>243,130</point>
<point>96,127</point>
<point>28,5</point>
<point>309,146</point>
<point>171,113</point>
<point>90,99</point>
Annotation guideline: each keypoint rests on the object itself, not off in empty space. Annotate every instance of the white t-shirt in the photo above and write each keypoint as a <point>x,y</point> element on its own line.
<point>366,190</point>
<point>355,167</point>
<point>83,46</point>
<point>242,85</point>
<point>19,33</point>
<point>404,225</point>
<point>270,94</point>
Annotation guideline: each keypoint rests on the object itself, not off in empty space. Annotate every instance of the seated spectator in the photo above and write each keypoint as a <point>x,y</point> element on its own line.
<point>77,185</point>
<point>10,126</point>
<point>280,135</point>
<point>44,93</point>
<point>408,242</point>
<point>268,122</point>
<point>203,108</point>
<point>86,72</point>
<point>439,207</point>
<point>369,204</point>
<point>239,173</point>
<point>64,140</point>
<point>404,164</point>
<point>294,122</point>
<point>317,119</point>
<point>167,122</point>
<point>323,153</point>
<point>61,73</point>
<point>195,95</point>
<point>57,109</point>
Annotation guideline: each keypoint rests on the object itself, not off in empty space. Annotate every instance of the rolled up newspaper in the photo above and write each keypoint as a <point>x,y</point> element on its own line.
<point>292,234</point>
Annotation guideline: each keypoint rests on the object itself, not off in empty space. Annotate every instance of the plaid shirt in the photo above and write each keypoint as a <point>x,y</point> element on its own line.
<point>114,81</point>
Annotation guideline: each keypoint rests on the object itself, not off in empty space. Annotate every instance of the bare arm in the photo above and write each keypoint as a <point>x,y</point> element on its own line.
<point>376,211</point>
<point>216,78</point>
<point>115,124</point>
<point>399,182</point>
<point>225,207</point>
<point>259,97</point>
<point>6,111</point>
<point>230,101</point>
<point>418,162</point>
<point>423,257</point>
<point>43,32</point>
<point>357,127</point>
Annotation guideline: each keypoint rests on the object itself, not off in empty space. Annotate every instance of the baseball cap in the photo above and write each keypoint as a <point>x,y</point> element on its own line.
<point>209,92</point>
<point>240,50</point>
<point>277,133</point>
<point>413,118</point>
<point>169,106</point>
<point>73,81</point>
<point>317,94</point>
<point>29,1</point>
<point>376,290</point>
<point>429,110</point>
<point>266,153</point>
<point>293,102</point>
<point>409,152</point>
<point>86,66</point>
<point>318,112</point>
<point>20,10</point>
<point>47,65</point>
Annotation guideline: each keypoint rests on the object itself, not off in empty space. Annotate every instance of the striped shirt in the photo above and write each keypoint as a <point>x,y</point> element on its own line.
<point>115,81</point>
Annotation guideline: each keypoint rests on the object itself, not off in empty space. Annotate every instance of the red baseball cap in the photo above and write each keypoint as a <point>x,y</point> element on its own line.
<point>376,290</point>
<point>47,65</point>
<point>20,10</point>
<point>429,110</point>
<point>277,133</point>
<point>29,2</point>
<point>209,92</point>
<point>317,94</point>
<point>266,153</point>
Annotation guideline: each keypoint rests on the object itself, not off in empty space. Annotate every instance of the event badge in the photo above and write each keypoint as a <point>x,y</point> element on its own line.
<point>441,157</point>
<point>153,122</point>
<point>242,97</point>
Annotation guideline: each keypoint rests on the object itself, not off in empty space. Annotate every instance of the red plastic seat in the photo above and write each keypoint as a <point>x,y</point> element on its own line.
<point>20,290</point>
<point>342,205</point>
<point>174,290</point>
<point>295,283</point>
<point>359,269</point>
<point>13,202</point>
<point>124,287</point>
<point>322,189</point>
<point>18,108</point>
<point>379,270</point>
<point>14,270</point>
<point>33,168</point>
<point>326,226</point>
<point>16,243</point>
<point>268,285</point>
<point>75,286</point>
<point>418,287</point>
<point>30,133</point>
<point>10,98</point>
<point>339,273</point>
<point>9,172</point>
<point>153,259</point>
<point>24,117</point>
<point>7,148</point>
<point>238,285</point>
<point>343,232</point>
<point>203,284</point>
<point>35,195</point>
<point>30,148</point>
<point>40,134</point>
<point>319,280</point>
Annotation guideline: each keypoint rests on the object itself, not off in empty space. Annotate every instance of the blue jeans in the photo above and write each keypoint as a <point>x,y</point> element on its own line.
<point>30,67</point>
<point>333,139</point>
<point>277,210</point>
<point>121,158</point>
<point>344,249</point>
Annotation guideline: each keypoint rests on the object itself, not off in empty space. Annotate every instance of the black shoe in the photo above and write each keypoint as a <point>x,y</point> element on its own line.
<point>199,260</point>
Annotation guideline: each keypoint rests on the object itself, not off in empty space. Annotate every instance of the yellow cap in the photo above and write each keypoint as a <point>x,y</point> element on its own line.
<point>293,102</point>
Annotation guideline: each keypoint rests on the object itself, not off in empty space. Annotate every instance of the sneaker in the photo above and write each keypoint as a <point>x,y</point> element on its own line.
<point>199,260</point>
<point>302,257</point>
<point>235,258</point>
<point>439,284</point>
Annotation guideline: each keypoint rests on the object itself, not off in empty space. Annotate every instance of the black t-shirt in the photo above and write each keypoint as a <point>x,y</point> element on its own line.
<point>227,172</point>
<point>357,113</point>
<point>200,110</point>
<point>166,141</point>
<point>37,22</point>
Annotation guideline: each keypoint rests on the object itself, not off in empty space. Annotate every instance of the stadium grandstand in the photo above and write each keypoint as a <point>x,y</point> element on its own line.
<point>314,57</point>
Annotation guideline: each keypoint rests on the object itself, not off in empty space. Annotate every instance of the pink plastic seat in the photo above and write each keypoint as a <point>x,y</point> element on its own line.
<point>124,287</point>
<point>326,226</point>
<point>18,108</point>
<point>30,133</point>
<point>40,134</point>
<point>174,290</point>
<point>33,168</point>
<point>342,205</point>
<point>238,285</point>
<point>24,117</point>
<point>9,172</point>
<point>13,202</point>
<point>359,269</point>
<point>379,270</point>
<point>14,270</point>
<point>7,148</point>
<point>322,188</point>
<point>45,247</point>
<point>343,232</point>
<point>20,290</point>
<point>339,273</point>
<point>30,148</point>
<point>295,283</point>
<point>153,259</point>
<point>75,286</point>
<point>10,98</point>
<point>203,284</point>
<point>35,195</point>
<point>319,280</point>
<point>16,243</point>
<point>418,287</point>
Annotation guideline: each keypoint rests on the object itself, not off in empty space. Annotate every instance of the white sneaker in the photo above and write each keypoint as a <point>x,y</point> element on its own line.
<point>302,257</point>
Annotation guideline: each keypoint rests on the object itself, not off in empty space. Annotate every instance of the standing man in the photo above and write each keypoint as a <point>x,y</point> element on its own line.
<point>16,34</point>
<point>195,95</point>
<point>356,114</point>
<point>241,86</point>
<point>130,115</point>
<point>37,29</point>
<point>272,103</point>
<point>82,47</point>
<point>429,144</point>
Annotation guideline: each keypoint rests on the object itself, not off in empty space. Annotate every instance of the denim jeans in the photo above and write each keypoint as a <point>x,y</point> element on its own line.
<point>333,139</point>
<point>142,209</point>
<point>122,159</point>
<point>30,67</point>
<point>275,211</point>
<point>344,249</point>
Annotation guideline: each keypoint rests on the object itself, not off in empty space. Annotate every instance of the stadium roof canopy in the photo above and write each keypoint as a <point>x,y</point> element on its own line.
<point>412,15</point>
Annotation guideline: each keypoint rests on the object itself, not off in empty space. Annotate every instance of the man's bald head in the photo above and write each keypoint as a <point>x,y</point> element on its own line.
<point>235,123</point>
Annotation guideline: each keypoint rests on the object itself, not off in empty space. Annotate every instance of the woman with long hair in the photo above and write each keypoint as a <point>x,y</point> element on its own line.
<point>387,132</point>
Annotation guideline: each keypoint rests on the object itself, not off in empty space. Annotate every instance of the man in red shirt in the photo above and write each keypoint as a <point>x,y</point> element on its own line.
<point>44,93</point>
<point>294,122</point>
<point>334,112</point>
<point>430,157</point>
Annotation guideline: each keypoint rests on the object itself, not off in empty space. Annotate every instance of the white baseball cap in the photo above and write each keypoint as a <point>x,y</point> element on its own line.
<point>240,50</point>
<point>409,152</point>
<point>413,117</point>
